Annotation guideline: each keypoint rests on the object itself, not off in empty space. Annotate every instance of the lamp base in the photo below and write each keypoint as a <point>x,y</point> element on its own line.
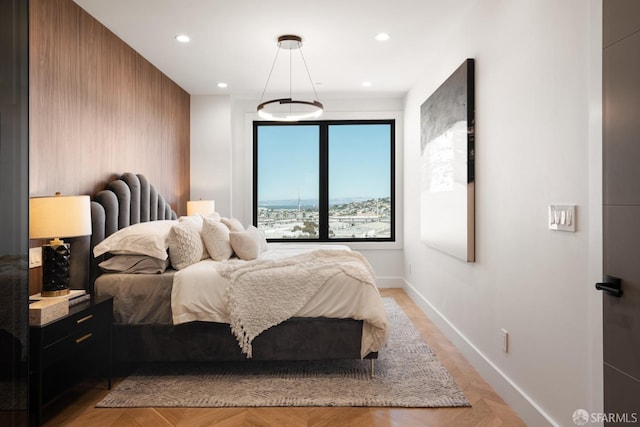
<point>55,269</point>
<point>59,293</point>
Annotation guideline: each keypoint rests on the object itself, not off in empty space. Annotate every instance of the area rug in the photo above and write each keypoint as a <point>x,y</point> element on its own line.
<point>407,374</point>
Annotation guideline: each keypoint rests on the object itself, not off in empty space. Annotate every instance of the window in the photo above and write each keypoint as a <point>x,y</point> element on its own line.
<point>324,180</point>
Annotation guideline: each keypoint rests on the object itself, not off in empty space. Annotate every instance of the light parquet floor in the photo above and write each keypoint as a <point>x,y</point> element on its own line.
<point>76,408</point>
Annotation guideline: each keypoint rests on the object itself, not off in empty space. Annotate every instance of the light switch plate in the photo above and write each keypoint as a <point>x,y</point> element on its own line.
<point>35,257</point>
<point>562,217</point>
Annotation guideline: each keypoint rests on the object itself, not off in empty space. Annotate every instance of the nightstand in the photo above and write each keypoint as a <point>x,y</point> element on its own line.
<point>64,350</point>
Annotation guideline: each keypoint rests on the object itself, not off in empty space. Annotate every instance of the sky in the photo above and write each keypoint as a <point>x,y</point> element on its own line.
<point>358,158</point>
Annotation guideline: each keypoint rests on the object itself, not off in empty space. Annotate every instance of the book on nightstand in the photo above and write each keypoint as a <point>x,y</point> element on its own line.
<point>74,297</point>
<point>78,299</point>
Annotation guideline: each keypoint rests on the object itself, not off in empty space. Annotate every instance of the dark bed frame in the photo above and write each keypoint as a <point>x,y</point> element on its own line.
<point>130,200</point>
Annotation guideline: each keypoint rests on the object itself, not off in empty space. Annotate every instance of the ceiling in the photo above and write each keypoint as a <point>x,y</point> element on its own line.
<point>235,42</point>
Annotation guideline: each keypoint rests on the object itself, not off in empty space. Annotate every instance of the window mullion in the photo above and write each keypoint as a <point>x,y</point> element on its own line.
<point>323,208</point>
<point>255,175</point>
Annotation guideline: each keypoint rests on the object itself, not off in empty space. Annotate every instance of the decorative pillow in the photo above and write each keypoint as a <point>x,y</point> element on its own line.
<point>216,239</point>
<point>247,244</point>
<point>145,238</point>
<point>214,216</point>
<point>196,220</point>
<point>233,224</point>
<point>185,245</point>
<point>134,264</point>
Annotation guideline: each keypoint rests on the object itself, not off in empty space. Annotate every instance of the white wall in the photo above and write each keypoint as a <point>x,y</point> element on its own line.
<point>211,150</point>
<point>537,143</point>
<point>221,163</point>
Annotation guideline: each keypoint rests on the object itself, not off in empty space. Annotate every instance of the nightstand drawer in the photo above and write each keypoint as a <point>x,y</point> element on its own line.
<point>62,351</point>
<point>78,318</point>
<point>79,339</point>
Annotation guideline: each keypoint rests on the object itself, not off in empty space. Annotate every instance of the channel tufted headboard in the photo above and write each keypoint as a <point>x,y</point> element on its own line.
<point>127,200</point>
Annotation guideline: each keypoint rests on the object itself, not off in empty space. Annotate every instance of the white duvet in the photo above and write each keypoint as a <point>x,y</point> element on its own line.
<point>200,293</point>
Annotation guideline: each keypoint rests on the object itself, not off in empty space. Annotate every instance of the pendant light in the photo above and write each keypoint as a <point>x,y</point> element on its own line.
<point>289,109</point>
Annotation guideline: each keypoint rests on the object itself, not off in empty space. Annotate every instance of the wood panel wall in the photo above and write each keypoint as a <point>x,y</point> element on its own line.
<point>98,109</point>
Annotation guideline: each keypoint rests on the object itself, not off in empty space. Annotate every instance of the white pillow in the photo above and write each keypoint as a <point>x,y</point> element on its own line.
<point>145,238</point>
<point>216,239</point>
<point>214,216</point>
<point>185,245</point>
<point>198,221</point>
<point>247,244</point>
<point>195,219</point>
<point>232,223</point>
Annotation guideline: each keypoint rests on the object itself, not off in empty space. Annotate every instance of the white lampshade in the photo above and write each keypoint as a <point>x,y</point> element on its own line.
<point>202,207</point>
<point>59,216</point>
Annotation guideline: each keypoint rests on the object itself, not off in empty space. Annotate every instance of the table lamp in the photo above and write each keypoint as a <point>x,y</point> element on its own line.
<point>52,218</point>
<point>202,207</point>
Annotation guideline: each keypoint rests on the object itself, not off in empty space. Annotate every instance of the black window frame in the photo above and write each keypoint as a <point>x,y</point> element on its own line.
<point>323,191</point>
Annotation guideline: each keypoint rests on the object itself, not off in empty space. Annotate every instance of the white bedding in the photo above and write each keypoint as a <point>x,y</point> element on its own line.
<point>198,294</point>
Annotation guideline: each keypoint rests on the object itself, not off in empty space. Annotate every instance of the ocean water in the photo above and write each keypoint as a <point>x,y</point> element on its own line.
<point>292,204</point>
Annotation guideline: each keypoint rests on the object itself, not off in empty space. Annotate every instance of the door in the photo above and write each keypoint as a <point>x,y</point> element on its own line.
<point>621,209</point>
<point>14,215</point>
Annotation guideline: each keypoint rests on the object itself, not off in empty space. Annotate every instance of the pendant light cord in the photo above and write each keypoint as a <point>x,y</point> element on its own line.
<point>291,76</point>
<point>270,72</point>
<point>273,65</point>
<point>308,109</point>
<point>308,74</point>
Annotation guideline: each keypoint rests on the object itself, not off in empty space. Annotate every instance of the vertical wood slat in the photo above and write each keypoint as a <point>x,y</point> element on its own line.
<point>99,109</point>
<point>88,80</point>
<point>53,95</point>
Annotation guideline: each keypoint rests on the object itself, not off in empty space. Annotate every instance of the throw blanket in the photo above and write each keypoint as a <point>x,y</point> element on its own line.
<point>264,293</point>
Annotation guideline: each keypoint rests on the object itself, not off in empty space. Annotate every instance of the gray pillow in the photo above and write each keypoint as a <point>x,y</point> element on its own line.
<point>134,264</point>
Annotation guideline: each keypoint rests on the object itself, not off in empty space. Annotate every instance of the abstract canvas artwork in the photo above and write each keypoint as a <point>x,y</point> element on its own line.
<point>447,144</point>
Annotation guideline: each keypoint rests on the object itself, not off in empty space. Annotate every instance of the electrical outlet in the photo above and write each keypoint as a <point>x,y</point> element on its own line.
<point>35,257</point>
<point>505,340</point>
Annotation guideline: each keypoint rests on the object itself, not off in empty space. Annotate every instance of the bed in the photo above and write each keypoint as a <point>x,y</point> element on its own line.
<point>209,308</point>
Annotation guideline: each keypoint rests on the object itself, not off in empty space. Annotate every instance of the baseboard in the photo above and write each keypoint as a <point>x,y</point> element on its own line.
<point>530,412</point>
<point>390,282</point>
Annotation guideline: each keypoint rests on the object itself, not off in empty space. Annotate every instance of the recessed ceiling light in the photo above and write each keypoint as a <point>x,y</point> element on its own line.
<point>381,37</point>
<point>366,84</point>
<point>222,85</point>
<point>183,38</point>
